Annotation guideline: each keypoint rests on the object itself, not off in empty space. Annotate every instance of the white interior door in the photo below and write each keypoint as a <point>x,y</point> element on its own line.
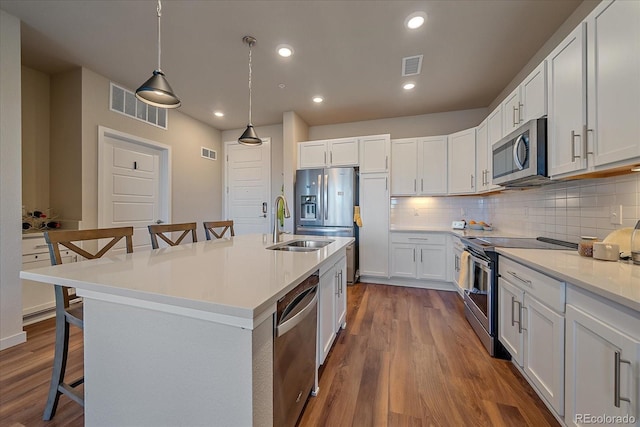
<point>248,184</point>
<point>133,184</point>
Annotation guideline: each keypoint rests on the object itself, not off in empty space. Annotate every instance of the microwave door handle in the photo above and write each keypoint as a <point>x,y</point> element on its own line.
<point>516,159</point>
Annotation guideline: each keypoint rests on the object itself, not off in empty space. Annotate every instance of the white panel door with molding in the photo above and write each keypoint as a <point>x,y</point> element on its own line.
<point>248,184</point>
<point>133,184</point>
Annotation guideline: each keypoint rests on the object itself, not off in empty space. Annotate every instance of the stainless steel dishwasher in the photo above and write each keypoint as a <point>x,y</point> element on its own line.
<point>294,352</point>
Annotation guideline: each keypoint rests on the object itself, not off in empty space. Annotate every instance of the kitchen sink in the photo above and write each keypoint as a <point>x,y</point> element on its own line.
<point>309,243</point>
<point>301,245</point>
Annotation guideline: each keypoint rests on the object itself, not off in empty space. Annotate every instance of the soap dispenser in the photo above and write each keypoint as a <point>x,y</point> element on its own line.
<point>635,244</point>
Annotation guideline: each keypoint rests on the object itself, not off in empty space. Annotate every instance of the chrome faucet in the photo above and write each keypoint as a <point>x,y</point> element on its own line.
<point>276,229</point>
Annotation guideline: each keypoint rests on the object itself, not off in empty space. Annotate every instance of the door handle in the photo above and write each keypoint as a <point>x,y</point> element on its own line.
<point>264,207</point>
<point>159,221</point>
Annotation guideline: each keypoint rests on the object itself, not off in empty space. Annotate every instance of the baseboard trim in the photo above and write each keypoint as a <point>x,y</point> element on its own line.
<point>13,340</point>
<point>412,283</point>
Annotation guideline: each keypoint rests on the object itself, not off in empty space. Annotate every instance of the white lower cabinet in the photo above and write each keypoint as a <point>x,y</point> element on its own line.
<point>332,305</point>
<point>531,327</point>
<point>419,256</point>
<point>457,247</point>
<point>602,364</point>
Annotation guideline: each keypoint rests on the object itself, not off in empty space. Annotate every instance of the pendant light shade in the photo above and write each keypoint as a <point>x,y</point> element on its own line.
<point>249,137</point>
<point>156,91</point>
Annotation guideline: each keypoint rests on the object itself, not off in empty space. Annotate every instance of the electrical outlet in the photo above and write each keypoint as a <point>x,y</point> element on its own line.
<point>615,215</point>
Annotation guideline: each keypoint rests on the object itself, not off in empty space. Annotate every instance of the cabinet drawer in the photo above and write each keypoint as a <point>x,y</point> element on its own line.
<point>544,288</point>
<point>43,259</point>
<point>34,245</point>
<point>419,238</point>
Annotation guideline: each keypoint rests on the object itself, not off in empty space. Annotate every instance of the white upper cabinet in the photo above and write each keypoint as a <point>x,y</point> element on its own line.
<point>374,153</point>
<point>594,92</point>
<point>419,166</point>
<point>328,153</point>
<point>613,43</point>
<point>483,159</point>
<point>528,101</point>
<point>567,101</point>
<point>462,162</point>
<point>404,167</point>
<point>494,134</point>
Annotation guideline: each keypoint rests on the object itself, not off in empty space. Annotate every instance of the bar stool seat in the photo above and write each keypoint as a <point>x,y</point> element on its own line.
<point>210,226</point>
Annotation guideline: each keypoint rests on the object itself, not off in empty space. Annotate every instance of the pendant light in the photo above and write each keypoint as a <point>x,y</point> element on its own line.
<point>249,137</point>
<point>157,91</point>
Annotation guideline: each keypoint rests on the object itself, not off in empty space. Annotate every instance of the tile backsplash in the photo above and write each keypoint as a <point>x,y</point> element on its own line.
<point>563,210</point>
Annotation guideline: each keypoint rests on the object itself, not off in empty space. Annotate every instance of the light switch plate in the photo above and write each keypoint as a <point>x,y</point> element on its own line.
<point>615,214</point>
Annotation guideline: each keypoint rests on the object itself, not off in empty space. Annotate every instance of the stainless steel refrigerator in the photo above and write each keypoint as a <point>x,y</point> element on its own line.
<point>324,201</point>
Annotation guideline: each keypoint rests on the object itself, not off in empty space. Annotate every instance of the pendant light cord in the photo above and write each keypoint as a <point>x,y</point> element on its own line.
<point>159,9</point>
<point>250,45</point>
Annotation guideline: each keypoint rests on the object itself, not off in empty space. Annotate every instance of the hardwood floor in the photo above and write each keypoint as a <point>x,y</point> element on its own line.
<point>408,357</point>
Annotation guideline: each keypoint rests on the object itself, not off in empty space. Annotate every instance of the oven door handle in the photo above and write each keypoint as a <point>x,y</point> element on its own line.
<point>479,260</point>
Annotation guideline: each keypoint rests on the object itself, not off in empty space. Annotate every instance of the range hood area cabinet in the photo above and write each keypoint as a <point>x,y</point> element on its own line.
<point>593,93</point>
<point>527,102</point>
<point>419,166</point>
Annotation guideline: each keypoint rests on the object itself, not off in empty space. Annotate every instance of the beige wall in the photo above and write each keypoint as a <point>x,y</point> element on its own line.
<point>10,184</point>
<point>404,127</point>
<point>35,139</point>
<point>196,182</point>
<point>65,187</point>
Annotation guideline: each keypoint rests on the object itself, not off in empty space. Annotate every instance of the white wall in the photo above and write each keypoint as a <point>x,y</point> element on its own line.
<point>563,210</point>
<point>10,184</point>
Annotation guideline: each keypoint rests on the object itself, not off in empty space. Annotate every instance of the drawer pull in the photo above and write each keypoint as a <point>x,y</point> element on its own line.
<point>525,281</point>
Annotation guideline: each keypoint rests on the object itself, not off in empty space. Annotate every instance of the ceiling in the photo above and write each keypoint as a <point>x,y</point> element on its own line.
<point>350,52</point>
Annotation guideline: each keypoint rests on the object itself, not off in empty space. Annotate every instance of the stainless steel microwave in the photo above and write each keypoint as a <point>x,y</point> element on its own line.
<point>520,158</point>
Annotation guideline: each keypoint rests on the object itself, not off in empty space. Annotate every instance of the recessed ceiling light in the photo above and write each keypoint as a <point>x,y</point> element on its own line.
<point>317,99</point>
<point>415,20</point>
<point>282,85</point>
<point>408,86</point>
<point>218,113</point>
<point>284,50</point>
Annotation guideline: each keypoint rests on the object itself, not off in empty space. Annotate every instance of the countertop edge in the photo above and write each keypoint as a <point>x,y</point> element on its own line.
<point>612,296</point>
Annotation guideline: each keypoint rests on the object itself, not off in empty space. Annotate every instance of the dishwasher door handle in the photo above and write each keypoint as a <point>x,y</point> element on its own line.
<point>289,324</point>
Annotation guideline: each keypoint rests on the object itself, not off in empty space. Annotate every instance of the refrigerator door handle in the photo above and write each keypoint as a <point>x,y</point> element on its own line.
<point>326,197</point>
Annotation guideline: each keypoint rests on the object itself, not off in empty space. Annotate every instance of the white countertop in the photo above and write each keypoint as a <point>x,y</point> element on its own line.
<point>467,232</point>
<point>236,277</point>
<point>618,281</point>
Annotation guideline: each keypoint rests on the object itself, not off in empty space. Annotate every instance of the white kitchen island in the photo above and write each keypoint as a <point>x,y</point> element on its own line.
<point>184,335</point>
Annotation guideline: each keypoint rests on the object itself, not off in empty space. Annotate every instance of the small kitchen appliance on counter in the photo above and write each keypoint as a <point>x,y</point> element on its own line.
<point>481,299</point>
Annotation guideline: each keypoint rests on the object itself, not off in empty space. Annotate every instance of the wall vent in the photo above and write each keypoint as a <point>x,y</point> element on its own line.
<point>208,154</point>
<point>411,65</point>
<point>124,101</point>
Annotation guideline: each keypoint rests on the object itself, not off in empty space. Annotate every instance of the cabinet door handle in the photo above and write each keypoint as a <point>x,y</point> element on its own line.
<point>386,183</point>
<point>421,260</point>
<point>331,157</point>
<point>513,316</point>
<point>471,180</point>
<point>414,185</point>
<point>386,163</point>
<point>414,255</point>
<point>573,146</point>
<point>586,131</point>
<point>515,123</point>
<point>617,360</point>
<point>520,107</point>
<point>325,157</point>
<point>421,184</point>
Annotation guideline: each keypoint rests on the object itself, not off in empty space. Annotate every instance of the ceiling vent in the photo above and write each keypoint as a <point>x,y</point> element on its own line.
<point>411,65</point>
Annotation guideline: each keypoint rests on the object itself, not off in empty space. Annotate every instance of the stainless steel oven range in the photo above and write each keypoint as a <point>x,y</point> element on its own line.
<point>481,299</point>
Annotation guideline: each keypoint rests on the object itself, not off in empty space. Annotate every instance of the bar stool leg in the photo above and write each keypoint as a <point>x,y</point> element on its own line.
<point>59,365</point>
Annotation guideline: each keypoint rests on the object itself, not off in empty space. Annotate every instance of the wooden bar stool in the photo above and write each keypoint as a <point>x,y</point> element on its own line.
<point>158,230</point>
<point>209,227</point>
<point>73,315</point>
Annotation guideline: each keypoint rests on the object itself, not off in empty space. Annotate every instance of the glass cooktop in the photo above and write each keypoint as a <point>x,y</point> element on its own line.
<point>487,243</point>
